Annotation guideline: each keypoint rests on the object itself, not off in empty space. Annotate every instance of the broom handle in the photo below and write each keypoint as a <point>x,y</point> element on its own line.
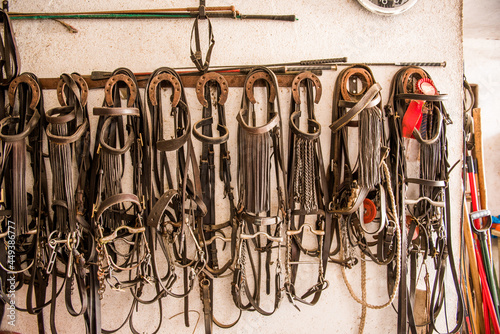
<point>478,154</point>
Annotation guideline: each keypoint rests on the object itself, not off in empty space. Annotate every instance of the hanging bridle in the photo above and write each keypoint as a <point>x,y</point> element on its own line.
<point>68,133</point>
<point>427,231</point>
<point>118,216</point>
<point>261,228</point>
<point>213,230</point>
<point>24,209</point>
<point>362,193</point>
<point>178,211</point>
<point>197,56</point>
<point>307,194</point>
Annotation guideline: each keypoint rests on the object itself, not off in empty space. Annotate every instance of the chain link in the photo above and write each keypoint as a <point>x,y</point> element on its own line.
<point>304,185</point>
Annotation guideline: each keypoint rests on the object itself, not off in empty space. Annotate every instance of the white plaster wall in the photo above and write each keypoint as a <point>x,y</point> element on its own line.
<point>482,67</point>
<point>481,20</point>
<point>431,31</point>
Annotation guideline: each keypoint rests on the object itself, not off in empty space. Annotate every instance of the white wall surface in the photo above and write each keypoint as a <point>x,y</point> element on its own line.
<point>431,31</point>
<point>482,67</point>
<point>481,20</point>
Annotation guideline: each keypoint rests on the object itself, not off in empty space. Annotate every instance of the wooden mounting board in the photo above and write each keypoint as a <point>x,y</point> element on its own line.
<point>189,81</point>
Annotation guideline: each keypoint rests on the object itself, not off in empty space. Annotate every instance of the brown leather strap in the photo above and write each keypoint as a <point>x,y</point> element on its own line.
<point>209,139</point>
<point>80,131</point>
<point>108,148</point>
<point>160,207</point>
<point>422,97</point>
<point>116,111</point>
<point>260,221</point>
<point>60,115</point>
<point>427,183</point>
<point>312,124</point>
<point>76,84</point>
<point>372,94</point>
<point>258,129</point>
<point>11,62</point>
<point>117,199</point>
<point>32,124</point>
<point>174,144</point>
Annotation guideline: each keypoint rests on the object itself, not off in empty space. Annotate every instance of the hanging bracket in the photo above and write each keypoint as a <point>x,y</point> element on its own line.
<point>201,10</point>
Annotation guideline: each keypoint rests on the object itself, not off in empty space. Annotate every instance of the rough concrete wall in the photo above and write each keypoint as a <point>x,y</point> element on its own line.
<point>431,31</point>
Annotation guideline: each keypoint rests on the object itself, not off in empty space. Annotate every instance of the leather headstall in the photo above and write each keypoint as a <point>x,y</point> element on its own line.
<point>364,215</point>
<point>415,112</point>
<point>260,151</point>
<point>307,193</point>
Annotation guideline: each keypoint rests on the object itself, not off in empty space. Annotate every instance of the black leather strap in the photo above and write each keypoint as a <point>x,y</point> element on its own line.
<point>196,56</point>
<point>11,62</point>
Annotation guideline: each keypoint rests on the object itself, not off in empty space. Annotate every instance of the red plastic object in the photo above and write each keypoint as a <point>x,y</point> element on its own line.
<point>413,115</point>
<point>412,118</point>
<point>370,211</point>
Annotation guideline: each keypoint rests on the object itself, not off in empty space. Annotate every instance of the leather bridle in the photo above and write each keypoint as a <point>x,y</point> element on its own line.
<point>68,133</point>
<point>366,184</point>
<point>118,216</point>
<point>24,209</point>
<point>212,229</point>
<point>307,194</point>
<point>178,211</point>
<point>260,229</point>
<point>427,232</point>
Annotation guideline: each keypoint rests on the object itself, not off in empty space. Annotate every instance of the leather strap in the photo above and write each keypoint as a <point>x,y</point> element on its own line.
<point>260,129</point>
<point>210,140</point>
<point>116,199</point>
<point>196,56</point>
<point>9,54</point>
<point>371,97</point>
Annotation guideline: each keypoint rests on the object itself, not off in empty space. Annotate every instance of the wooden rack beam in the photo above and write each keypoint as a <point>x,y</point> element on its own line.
<point>189,81</point>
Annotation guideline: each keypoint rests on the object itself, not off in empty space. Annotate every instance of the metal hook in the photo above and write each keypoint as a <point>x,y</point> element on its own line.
<point>201,10</point>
